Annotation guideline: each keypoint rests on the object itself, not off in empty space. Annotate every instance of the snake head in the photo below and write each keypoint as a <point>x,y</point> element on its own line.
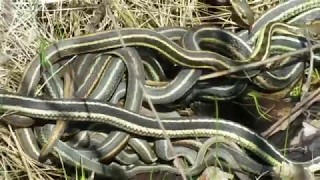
<point>244,15</point>
<point>18,121</point>
<point>313,28</point>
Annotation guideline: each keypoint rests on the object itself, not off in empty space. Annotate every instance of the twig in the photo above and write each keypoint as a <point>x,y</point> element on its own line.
<point>256,65</point>
<point>306,86</point>
<point>153,109</point>
<point>297,110</point>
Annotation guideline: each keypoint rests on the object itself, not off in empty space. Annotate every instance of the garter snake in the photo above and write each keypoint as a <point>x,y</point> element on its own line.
<point>240,8</point>
<point>100,62</point>
<point>282,12</point>
<point>198,166</point>
<point>95,111</point>
<point>81,62</point>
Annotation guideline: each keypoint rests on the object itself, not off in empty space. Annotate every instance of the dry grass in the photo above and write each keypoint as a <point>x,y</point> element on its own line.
<point>11,164</point>
<point>24,25</point>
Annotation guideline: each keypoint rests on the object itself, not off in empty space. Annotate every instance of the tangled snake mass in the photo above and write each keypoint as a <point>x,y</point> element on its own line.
<point>111,100</point>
